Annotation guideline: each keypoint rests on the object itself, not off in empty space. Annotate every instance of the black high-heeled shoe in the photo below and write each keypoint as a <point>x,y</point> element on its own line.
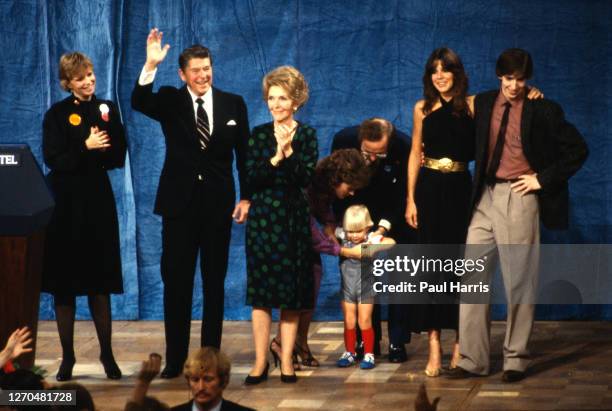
<point>288,378</point>
<point>65,369</point>
<point>275,354</point>
<point>256,379</point>
<point>111,369</point>
<point>308,359</point>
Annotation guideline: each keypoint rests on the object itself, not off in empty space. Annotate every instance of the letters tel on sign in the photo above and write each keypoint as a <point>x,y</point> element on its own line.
<point>9,159</point>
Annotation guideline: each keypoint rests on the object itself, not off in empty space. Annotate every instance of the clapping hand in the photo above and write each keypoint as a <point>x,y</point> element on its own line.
<point>97,140</point>
<point>284,136</point>
<point>155,52</point>
<point>18,342</point>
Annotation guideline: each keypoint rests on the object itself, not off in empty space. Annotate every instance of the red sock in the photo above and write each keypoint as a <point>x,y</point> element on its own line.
<point>350,337</point>
<point>368,340</point>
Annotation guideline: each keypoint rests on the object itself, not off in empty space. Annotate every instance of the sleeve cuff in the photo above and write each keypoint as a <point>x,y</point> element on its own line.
<point>337,249</point>
<point>339,232</point>
<point>146,77</point>
<point>385,224</point>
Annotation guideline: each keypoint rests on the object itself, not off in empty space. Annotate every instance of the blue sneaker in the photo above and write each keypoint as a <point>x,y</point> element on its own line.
<point>346,360</point>
<point>368,362</point>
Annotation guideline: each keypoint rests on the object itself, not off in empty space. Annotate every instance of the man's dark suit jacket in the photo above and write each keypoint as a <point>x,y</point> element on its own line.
<point>554,149</point>
<point>385,195</point>
<point>225,406</point>
<point>185,162</point>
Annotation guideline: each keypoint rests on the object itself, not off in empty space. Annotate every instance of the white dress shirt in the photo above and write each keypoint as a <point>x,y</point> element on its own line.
<point>147,77</point>
<point>194,407</point>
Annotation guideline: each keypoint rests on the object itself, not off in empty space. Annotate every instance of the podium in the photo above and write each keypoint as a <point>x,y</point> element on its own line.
<point>25,210</point>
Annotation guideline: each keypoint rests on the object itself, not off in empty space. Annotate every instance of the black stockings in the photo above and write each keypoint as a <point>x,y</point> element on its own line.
<point>99,306</point>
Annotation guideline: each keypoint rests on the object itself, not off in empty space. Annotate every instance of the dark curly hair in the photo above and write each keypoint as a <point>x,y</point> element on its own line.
<point>450,62</point>
<point>342,166</point>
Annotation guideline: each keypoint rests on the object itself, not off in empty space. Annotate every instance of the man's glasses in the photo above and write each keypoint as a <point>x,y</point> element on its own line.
<point>368,155</point>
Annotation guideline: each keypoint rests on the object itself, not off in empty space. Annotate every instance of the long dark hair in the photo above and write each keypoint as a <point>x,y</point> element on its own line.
<point>450,62</point>
<point>342,166</point>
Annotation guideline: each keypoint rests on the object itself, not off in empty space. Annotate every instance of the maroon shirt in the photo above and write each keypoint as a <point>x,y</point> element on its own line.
<point>513,162</point>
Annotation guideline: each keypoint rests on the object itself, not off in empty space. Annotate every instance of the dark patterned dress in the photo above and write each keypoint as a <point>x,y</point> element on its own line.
<point>278,237</point>
<point>443,201</point>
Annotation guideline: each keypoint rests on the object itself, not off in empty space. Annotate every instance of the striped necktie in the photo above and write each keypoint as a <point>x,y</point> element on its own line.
<point>202,125</point>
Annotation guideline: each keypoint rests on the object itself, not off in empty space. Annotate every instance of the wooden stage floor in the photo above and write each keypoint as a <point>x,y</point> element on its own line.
<point>572,370</point>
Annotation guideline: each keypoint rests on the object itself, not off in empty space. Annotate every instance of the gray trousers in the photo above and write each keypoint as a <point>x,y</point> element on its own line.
<point>502,220</point>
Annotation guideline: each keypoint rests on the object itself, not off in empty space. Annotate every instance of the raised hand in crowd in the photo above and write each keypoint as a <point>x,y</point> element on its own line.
<point>150,369</point>
<point>16,345</point>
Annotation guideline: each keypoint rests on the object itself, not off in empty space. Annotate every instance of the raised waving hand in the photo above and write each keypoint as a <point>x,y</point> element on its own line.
<point>155,52</point>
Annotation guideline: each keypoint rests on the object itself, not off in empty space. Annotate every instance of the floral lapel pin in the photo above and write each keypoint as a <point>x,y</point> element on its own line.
<point>104,111</point>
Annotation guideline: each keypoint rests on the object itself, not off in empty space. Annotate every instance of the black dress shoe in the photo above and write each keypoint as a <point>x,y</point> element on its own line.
<point>512,376</point>
<point>111,369</point>
<point>170,371</point>
<point>397,354</point>
<point>256,379</point>
<point>459,373</point>
<point>65,369</point>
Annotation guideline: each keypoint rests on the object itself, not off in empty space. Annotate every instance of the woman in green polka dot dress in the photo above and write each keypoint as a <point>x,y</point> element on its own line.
<point>281,160</point>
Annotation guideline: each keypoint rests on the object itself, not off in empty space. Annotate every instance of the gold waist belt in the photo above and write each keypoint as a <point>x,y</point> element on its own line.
<point>445,165</point>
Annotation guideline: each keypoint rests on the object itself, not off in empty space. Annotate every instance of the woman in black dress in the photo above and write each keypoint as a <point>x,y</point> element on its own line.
<point>82,138</point>
<point>280,165</point>
<point>438,203</point>
<point>440,190</point>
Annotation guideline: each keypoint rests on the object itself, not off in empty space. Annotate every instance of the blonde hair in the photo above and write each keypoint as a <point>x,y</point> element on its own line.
<point>357,218</point>
<point>208,359</point>
<point>289,79</point>
<point>71,65</point>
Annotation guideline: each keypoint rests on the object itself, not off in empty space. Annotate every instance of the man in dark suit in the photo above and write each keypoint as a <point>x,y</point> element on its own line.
<point>208,372</point>
<point>386,153</point>
<point>203,127</point>
<point>525,153</point>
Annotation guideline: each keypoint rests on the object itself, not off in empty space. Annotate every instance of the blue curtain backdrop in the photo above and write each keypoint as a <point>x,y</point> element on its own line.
<point>360,58</point>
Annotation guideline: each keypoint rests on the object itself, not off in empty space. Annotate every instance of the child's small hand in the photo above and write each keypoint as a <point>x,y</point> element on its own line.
<point>352,252</point>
